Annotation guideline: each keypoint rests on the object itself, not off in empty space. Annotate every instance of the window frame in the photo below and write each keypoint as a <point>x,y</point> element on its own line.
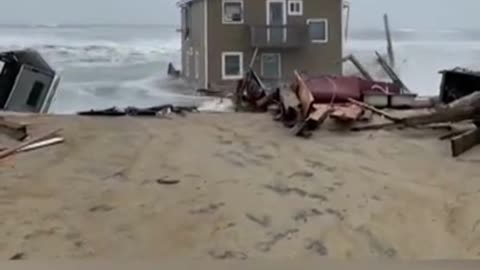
<point>262,63</point>
<point>33,99</point>
<point>295,13</point>
<point>242,5</point>
<point>197,65</point>
<point>241,69</point>
<point>319,20</point>
<point>188,62</point>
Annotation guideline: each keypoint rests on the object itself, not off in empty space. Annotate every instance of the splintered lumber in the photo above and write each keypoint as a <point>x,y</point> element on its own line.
<point>304,95</point>
<point>375,110</point>
<point>15,149</point>
<point>14,130</point>
<point>349,113</point>
<point>464,142</point>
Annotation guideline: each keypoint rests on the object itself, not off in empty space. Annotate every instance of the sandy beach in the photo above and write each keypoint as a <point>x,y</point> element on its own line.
<point>236,187</point>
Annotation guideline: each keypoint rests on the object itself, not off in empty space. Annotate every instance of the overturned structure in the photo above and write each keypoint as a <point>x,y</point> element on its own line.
<point>27,82</point>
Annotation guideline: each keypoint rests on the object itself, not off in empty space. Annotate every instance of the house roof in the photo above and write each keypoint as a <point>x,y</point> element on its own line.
<point>28,57</point>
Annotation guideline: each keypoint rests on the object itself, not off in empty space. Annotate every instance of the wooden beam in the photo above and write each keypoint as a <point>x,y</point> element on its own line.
<point>14,130</point>
<point>13,150</point>
<point>464,142</point>
<point>375,110</point>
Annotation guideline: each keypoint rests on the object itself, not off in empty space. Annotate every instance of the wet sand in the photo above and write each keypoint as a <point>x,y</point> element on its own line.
<point>236,187</point>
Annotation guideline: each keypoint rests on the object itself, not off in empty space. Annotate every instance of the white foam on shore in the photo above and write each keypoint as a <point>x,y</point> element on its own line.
<point>217,105</point>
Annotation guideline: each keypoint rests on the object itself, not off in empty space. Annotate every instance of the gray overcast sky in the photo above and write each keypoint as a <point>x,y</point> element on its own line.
<point>425,14</point>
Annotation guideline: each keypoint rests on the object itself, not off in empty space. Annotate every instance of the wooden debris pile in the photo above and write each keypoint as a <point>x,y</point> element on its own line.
<point>162,110</point>
<point>345,100</point>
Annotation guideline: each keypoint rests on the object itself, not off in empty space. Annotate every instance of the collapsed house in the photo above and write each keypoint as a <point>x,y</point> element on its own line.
<point>27,82</point>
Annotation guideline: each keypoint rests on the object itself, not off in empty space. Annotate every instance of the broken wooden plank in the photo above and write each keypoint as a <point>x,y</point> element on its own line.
<point>348,113</point>
<point>41,144</point>
<point>464,142</point>
<point>316,118</point>
<point>375,110</point>
<point>12,129</point>
<point>304,95</point>
<point>15,149</point>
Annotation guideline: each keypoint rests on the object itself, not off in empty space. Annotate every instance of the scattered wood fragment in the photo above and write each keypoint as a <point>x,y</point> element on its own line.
<point>347,113</point>
<point>464,142</point>
<point>15,149</point>
<point>14,130</point>
<point>164,181</point>
<point>375,110</point>
<point>18,256</point>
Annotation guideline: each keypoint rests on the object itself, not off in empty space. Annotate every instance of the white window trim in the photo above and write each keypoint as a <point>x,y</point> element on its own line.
<point>197,65</point>
<point>232,77</point>
<point>188,62</point>
<point>294,13</point>
<point>279,64</point>
<point>309,21</point>
<point>223,11</point>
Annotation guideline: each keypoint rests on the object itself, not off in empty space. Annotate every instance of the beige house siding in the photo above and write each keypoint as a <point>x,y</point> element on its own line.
<point>193,48</point>
<point>315,58</point>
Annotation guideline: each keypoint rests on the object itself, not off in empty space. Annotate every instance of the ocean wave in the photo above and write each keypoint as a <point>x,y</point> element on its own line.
<point>60,51</point>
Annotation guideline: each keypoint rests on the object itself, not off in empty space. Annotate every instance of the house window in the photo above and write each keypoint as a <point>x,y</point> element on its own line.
<point>232,65</point>
<point>295,7</point>
<point>35,93</point>
<point>232,11</point>
<point>318,30</point>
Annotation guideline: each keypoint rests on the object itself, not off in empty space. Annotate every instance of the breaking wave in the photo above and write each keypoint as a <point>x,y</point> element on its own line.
<point>77,52</point>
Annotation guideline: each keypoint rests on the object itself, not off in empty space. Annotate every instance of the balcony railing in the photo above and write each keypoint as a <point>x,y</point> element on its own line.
<point>278,36</point>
